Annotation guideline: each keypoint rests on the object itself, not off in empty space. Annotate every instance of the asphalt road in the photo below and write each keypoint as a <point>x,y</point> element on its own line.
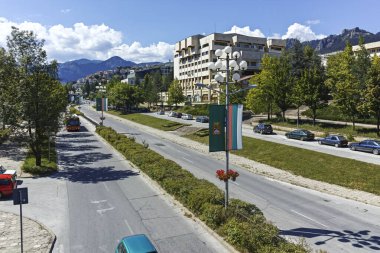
<point>107,199</point>
<point>280,138</point>
<point>326,222</point>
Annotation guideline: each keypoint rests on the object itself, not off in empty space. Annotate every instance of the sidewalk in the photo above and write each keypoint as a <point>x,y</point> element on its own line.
<point>36,237</point>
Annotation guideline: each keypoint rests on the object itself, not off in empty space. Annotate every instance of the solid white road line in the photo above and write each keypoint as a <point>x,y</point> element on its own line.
<point>129,227</point>
<point>300,214</point>
<point>187,160</point>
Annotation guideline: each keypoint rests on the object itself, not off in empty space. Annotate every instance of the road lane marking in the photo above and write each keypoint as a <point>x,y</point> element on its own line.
<point>234,183</point>
<point>300,214</point>
<point>129,226</point>
<point>105,186</point>
<point>98,201</point>
<point>187,160</point>
<point>102,211</point>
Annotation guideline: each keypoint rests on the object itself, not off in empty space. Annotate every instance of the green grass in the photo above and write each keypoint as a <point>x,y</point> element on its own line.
<point>47,167</point>
<point>327,128</point>
<point>310,164</point>
<point>161,124</point>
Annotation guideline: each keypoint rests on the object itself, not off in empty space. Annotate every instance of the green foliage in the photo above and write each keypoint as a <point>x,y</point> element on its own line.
<point>123,95</point>
<point>195,110</point>
<point>242,224</point>
<point>4,134</point>
<point>175,93</point>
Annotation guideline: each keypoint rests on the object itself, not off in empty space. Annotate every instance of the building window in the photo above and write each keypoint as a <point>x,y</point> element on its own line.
<point>220,43</point>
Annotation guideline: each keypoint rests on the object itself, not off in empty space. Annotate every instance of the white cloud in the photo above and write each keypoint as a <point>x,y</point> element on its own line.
<point>313,22</point>
<point>301,32</point>
<point>88,41</point>
<point>246,31</point>
<point>64,11</point>
<point>275,36</point>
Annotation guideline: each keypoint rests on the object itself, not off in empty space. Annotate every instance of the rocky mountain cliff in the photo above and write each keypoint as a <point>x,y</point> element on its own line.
<point>334,43</point>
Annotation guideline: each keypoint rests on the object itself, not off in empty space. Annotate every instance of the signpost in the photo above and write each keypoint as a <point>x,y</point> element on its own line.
<point>20,196</point>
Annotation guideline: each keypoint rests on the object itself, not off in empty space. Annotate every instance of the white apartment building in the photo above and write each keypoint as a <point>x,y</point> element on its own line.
<point>192,55</point>
<point>372,48</point>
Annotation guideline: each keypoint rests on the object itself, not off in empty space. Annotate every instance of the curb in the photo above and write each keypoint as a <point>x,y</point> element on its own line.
<point>171,199</point>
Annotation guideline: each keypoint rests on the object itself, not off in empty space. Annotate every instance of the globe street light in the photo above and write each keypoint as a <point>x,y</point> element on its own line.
<point>227,65</point>
<point>102,89</point>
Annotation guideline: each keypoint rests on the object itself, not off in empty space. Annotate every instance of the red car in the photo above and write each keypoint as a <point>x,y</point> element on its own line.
<point>8,182</point>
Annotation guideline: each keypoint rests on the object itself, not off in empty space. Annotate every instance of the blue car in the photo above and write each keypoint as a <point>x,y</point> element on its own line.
<point>334,140</point>
<point>135,244</point>
<point>372,146</point>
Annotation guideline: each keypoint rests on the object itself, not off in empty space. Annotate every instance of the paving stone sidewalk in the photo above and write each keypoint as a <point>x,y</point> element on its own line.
<point>36,237</point>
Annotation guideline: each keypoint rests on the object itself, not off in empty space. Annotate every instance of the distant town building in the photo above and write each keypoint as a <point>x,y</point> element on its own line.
<point>372,48</point>
<point>192,55</point>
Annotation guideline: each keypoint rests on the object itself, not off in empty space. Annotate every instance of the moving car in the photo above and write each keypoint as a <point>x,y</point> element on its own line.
<point>300,134</point>
<point>202,119</point>
<point>263,128</point>
<point>172,114</point>
<point>187,116</point>
<point>161,112</point>
<point>334,140</point>
<point>372,146</point>
<point>135,244</point>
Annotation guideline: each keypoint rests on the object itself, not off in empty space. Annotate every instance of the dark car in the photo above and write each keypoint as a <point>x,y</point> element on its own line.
<point>135,244</point>
<point>372,146</point>
<point>202,119</point>
<point>334,140</point>
<point>300,134</point>
<point>178,115</point>
<point>263,129</point>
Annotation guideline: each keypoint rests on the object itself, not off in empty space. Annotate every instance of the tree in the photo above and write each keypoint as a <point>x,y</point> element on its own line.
<point>371,94</point>
<point>175,93</point>
<point>9,102</point>
<point>344,84</point>
<point>41,96</point>
<point>125,95</point>
<point>312,90</point>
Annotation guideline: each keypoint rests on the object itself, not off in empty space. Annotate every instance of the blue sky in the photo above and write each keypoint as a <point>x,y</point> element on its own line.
<point>146,30</point>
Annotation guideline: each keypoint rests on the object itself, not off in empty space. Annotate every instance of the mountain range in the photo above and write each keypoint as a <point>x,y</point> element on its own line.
<point>337,42</point>
<point>73,70</point>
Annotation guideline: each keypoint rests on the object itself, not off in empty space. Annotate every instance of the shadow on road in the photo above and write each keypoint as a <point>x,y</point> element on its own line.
<point>86,175</point>
<point>360,239</point>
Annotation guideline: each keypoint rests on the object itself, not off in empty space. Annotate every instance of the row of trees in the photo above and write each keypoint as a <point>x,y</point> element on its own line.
<point>31,97</point>
<point>351,80</point>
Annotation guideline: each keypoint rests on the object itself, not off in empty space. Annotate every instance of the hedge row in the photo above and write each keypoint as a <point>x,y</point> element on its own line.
<point>243,225</point>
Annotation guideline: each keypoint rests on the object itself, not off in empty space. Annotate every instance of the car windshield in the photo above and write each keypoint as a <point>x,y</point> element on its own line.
<point>4,181</point>
<point>376,143</point>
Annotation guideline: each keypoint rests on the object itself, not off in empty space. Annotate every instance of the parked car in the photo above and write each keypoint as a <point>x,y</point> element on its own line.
<point>8,182</point>
<point>372,146</point>
<point>187,116</point>
<point>263,128</point>
<point>202,119</point>
<point>178,115</point>
<point>172,114</point>
<point>135,244</point>
<point>300,134</point>
<point>334,140</point>
<point>160,112</point>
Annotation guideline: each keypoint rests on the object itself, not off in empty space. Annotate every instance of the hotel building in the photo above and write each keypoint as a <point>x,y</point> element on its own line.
<point>192,55</point>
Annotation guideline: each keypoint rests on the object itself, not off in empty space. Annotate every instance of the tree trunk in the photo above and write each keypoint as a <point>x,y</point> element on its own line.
<point>353,123</point>
<point>298,116</point>
<point>378,124</point>
<point>314,110</point>
<point>283,116</point>
<point>268,113</point>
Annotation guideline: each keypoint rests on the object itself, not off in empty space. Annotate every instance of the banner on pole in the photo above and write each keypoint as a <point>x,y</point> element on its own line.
<point>235,118</point>
<point>102,103</point>
<point>216,128</point>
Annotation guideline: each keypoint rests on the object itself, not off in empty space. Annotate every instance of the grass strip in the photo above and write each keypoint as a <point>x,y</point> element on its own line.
<point>47,167</point>
<point>161,124</point>
<point>327,168</point>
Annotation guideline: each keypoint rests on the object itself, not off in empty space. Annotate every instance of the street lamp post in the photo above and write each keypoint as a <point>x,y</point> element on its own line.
<point>102,89</point>
<point>227,65</point>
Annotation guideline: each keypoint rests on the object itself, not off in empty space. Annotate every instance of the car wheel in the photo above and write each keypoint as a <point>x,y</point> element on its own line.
<point>337,145</point>
<point>319,142</point>
<point>353,148</point>
<point>261,132</point>
<point>1,195</point>
<point>375,151</point>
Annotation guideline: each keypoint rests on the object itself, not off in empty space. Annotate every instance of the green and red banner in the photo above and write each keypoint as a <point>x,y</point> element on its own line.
<point>102,103</point>
<point>217,127</point>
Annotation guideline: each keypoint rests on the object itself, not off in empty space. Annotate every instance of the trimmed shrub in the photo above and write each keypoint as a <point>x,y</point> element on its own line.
<point>4,134</point>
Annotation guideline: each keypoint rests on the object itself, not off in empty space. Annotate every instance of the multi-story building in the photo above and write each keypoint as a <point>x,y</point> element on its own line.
<point>372,48</point>
<point>192,55</point>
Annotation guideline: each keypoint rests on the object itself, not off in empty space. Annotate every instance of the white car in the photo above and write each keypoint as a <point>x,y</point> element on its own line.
<point>187,116</point>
